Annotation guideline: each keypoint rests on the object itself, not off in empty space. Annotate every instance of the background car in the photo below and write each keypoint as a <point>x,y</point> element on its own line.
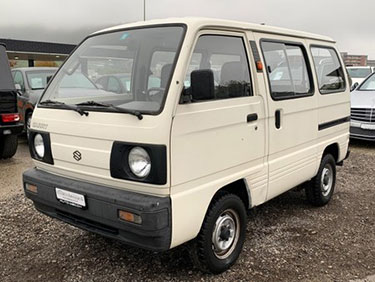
<point>358,74</point>
<point>362,125</point>
<point>30,83</point>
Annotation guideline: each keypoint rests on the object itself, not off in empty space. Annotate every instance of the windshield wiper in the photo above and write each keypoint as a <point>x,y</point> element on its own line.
<point>64,106</point>
<point>112,107</point>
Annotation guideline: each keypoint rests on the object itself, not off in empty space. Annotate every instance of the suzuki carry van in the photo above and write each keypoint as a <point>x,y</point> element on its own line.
<point>214,117</point>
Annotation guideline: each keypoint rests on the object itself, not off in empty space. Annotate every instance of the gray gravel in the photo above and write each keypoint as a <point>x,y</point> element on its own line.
<point>286,238</point>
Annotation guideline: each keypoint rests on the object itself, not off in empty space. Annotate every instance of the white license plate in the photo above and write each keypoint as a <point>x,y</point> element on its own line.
<point>70,198</point>
<point>368,126</point>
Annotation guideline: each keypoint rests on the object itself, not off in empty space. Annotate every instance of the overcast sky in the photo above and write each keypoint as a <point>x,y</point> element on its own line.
<point>69,21</point>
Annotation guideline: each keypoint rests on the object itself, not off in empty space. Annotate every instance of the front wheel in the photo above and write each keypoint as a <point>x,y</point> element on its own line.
<point>220,240</point>
<point>320,189</point>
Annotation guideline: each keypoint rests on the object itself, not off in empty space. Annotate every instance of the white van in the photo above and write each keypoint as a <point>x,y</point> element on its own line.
<point>197,121</point>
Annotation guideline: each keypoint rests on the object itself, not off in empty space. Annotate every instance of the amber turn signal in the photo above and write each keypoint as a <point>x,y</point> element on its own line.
<point>130,217</point>
<point>31,188</point>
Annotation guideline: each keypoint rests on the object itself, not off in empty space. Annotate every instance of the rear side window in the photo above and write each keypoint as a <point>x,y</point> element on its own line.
<point>287,68</point>
<point>328,69</point>
<point>226,57</point>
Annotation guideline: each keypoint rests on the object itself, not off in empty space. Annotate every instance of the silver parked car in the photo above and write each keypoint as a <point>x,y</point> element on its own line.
<point>362,125</point>
<point>30,83</point>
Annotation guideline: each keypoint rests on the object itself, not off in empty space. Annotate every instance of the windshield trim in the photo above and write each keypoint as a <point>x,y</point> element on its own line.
<point>179,47</point>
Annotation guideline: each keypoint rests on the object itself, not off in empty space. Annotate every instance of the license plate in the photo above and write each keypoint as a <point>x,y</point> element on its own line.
<point>368,126</point>
<point>70,198</point>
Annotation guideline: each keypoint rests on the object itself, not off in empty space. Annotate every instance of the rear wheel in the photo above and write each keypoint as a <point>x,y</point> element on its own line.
<point>8,146</point>
<point>28,124</point>
<point>220,240</point>
<point>320,189</point>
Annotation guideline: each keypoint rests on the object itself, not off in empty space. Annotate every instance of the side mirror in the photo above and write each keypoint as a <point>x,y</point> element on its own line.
<point>202,85</point>
<point>18,87</point>
<point>49,78</point>
<point>354,86</point>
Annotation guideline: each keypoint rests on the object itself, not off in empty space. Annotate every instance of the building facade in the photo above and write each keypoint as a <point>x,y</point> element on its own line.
<point>354,60</point>
<point>22,53</point>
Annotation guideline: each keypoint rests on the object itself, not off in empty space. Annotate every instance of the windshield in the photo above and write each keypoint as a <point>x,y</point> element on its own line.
<point>359,72</point>
<point>128,69</point>
<point>369,84</point>
<point>39,79</point>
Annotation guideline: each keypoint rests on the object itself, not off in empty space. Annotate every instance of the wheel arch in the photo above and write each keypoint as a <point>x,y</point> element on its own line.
<point>332,149</point>
<point>239,188</point>
<point>187,226</point>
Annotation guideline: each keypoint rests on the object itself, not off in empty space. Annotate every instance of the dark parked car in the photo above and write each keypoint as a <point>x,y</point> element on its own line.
<point>30,82</point>
<point>10,125</point>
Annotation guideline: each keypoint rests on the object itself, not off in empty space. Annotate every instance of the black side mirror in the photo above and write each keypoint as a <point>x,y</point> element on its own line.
<point>354,86</point>
<point>202,85</point>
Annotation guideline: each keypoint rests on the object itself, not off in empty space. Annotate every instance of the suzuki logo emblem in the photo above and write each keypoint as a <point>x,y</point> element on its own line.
<point>77,155</point>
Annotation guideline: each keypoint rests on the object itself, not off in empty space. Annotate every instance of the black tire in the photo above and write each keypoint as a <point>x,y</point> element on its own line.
<point>8,147</point>
<point>320,189</point>
<point>1,147</point>
<point>203,252</point>
<point>28,123</point>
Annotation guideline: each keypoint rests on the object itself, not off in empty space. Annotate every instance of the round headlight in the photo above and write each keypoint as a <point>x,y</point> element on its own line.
<point>139,162</point>
<point>39,145</point>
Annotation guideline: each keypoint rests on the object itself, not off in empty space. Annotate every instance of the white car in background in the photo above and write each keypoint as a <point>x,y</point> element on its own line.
<point>359,73</point>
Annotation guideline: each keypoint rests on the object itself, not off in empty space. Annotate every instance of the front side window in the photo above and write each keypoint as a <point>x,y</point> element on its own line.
<point>18,79</point>
<point>226,57</point>
<point>287,70</point>
<point>129,69</point>
<point>38,79</point>
<point>328,69</point>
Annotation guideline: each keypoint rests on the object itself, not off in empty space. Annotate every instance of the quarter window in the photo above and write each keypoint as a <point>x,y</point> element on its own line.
<point>287,70</point>
<point>328,69</point>
<point>226,57</point>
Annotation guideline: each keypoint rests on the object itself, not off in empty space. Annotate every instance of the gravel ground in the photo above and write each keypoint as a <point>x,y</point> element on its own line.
<point>286,238</point>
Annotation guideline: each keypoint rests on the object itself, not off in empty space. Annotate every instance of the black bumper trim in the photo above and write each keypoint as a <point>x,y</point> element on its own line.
<point>362,134</point>
<point>14,128</point>
<point>332,123</point>
<point>101,214</point>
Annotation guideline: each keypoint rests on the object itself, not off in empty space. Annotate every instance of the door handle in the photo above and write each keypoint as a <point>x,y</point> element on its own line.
<point>278,119</point>
<point>252,117</point>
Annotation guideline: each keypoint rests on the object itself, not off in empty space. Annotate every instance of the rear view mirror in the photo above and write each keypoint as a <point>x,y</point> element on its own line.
<point>354,86</point>
<point>202,85</point>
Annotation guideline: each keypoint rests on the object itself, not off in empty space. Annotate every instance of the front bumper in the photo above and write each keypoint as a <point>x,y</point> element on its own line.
<point>363,134</point>
<point>11,129</point>
<point>101,213</point>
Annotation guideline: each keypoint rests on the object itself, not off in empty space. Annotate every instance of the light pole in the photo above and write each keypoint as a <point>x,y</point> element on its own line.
<point>144,10</point>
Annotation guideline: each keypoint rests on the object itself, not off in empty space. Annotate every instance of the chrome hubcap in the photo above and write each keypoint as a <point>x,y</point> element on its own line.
<point>225,235</point>
<point>326,180</point>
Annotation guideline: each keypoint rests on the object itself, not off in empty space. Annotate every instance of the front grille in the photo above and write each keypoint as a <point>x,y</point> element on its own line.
<point>363,114</point>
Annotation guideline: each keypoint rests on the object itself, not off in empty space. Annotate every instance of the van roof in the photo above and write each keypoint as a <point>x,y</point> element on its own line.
<point>199,23</point>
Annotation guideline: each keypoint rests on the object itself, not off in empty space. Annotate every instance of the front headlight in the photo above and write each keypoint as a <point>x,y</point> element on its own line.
<point>39,145</point>
<point>139,162</point>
